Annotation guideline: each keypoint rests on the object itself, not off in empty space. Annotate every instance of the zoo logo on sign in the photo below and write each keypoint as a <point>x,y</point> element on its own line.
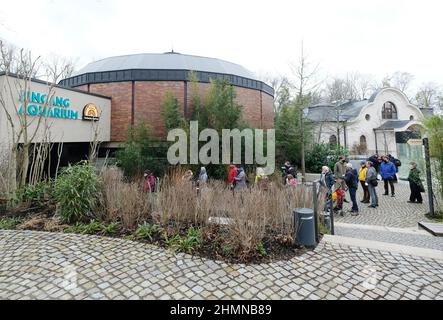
<point>90,112</point>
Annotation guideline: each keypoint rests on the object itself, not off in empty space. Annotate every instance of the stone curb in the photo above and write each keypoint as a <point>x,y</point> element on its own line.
<point>413,230</point>
<point>384,246</point>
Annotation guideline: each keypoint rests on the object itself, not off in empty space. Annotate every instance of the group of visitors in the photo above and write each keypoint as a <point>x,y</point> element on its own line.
<point>346,178</point>
<point>236,178</point>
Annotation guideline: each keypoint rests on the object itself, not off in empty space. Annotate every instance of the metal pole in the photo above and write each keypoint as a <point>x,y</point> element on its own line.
<point>315,202</point>
<point>429,177</point>
<point>331,216</point>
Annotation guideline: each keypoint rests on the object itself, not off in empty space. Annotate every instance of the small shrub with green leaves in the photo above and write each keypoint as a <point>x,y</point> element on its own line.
<point>35,194</point>
<point>191,242</point>
<point>147,231</point>
<point>92,227</point>
<point>111,229</point>
<point>172,241</point>
<point>76,191</point>
<point>9,223</point>
<point>261,249</point>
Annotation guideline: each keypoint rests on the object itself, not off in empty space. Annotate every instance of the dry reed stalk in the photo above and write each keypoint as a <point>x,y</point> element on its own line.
<point>123,201</point>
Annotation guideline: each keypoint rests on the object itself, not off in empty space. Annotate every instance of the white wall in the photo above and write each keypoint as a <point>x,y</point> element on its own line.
<point>360,126</point>
<point>61,130</point>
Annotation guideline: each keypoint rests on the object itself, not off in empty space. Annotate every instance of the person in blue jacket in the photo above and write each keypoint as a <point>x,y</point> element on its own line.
<point>388,172</point>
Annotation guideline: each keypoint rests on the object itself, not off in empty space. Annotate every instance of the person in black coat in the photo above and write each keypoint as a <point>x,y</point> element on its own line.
<point>351,179</point>
<point>375,159</point>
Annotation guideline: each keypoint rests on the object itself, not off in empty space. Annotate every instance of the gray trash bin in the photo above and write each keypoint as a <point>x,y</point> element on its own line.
<point>304,217</point>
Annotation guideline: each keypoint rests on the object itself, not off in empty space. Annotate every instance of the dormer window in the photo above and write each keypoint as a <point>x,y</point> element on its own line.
<point>389,111</point>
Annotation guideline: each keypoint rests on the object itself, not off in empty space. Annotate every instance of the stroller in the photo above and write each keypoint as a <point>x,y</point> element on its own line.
<point>335,199</point>
<point>338,197</point>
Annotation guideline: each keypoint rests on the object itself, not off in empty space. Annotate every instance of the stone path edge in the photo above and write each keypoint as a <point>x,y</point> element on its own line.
<point>384,246</point>
<point>415,230</point>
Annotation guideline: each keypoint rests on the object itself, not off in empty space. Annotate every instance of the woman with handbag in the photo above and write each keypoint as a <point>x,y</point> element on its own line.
<point>415,184</point>
<point>372,183</point>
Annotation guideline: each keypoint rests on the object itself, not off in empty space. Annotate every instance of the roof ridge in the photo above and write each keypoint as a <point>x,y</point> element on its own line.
<point>166,53</point>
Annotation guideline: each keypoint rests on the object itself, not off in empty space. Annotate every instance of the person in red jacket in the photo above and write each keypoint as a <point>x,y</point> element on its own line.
<point>148,182</point>
<point>232,173</point>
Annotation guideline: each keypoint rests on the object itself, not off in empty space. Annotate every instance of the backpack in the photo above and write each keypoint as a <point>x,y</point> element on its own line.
<point>397,162</point>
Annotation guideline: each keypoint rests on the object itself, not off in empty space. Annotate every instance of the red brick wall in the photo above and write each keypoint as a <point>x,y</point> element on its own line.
<point>83,87</point>
<point>257,106</point>
<point>267,111</point>
<point>149,96</point>
<point>121,106</point>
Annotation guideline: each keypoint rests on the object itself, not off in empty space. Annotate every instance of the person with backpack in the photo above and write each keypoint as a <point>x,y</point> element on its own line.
<point>351,179</point>
<point>388,172</point>
<point>372,183</point>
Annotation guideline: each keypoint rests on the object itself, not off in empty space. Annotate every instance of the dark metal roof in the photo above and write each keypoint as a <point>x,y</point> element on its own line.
<point>14,75</point>
<point>166,61</point>
<point>169,66</point>
<point>393,124</point>
<point>336,112</point>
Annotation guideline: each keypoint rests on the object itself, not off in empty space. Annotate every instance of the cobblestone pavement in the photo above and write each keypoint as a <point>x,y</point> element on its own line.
<point>37,265</point>
<point>392,212</point>
<point>418,239</point>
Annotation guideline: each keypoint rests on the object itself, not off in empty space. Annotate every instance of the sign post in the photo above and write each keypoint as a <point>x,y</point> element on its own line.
<point>429,177</point>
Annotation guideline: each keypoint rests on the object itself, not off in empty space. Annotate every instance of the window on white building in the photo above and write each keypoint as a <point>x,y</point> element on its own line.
<point>333,140</point>
<point>389,111</point>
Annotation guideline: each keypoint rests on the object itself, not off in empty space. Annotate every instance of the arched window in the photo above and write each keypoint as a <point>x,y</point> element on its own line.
<point>333,140</point>
<point>363,140</point>
<point>389,111</point>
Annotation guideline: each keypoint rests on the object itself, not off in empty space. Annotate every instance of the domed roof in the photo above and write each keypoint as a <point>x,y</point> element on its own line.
<point>166,61</point>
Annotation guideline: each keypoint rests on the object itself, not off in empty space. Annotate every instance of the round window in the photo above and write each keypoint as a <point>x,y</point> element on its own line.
<point>411,118</point>
<point>367,117</point>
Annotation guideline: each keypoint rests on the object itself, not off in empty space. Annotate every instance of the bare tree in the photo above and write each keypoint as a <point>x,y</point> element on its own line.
<point>363,84</point>
<point>402,80</point>
<point>305,84</point>
<point>428,95</point>
<point>30,139</point>
<point>282,91</point>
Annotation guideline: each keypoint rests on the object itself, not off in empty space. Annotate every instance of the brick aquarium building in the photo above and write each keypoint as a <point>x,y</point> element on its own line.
<point>138,83</point>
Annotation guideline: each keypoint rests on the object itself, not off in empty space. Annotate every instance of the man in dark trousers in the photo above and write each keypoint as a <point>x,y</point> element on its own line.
<point>351,179</point>
<point>388,172</point>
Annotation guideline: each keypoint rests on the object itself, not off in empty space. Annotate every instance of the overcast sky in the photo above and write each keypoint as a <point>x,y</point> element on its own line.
<point>376,37</point>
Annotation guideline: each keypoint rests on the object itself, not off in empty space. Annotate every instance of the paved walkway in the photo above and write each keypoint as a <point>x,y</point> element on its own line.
<point>392,212</point>
<point>35,265</point>
<point>409,237</point>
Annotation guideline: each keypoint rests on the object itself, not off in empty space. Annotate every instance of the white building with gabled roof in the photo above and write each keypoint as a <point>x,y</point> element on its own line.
<point>370,126</point>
